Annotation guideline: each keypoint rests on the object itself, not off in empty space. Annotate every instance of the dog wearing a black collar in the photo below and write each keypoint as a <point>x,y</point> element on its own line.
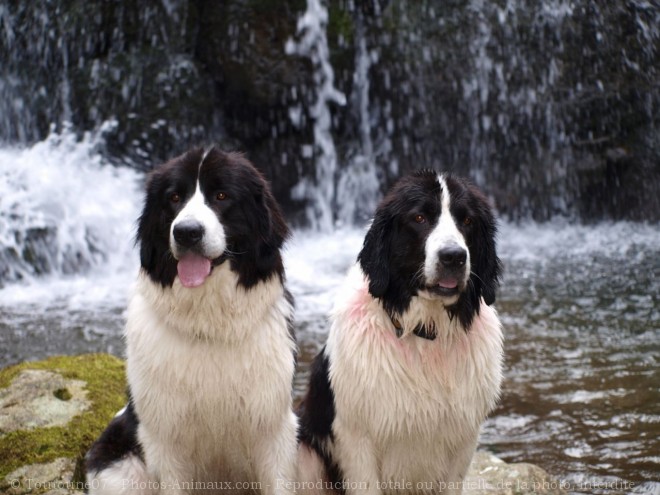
<point>413,361</point>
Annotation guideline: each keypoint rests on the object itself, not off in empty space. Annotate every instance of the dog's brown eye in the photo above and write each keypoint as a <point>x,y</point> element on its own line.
<point>467,221</point>
<point>220,196</point>
<point>175,198</point>
<point>420,219</point>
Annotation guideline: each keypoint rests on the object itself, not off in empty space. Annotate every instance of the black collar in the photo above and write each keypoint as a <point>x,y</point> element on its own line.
<point>428,333</point>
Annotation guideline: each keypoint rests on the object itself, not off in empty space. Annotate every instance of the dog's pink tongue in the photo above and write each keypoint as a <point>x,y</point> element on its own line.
<point>193,270</point>
<point>448,283</point>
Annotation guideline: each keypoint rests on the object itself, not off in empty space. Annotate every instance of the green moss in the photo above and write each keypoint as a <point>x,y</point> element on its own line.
<point>106,386</point>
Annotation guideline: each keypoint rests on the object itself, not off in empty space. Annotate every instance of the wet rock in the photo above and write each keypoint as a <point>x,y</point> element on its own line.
<point>489,475</point>
<point>52,478</point>
<point>40,399</point>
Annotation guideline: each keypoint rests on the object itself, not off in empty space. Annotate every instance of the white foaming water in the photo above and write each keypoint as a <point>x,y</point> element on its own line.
<point>67,219</point>
<point>314,45</point>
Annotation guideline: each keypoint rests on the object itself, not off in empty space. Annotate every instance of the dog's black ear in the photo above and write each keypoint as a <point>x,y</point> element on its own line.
<point>490,273</point>
<point>486,266</point>
<point>488,269</point>
<point>275,230</point>
<point>271,227</point>
<point>147,231</point>
<point>374,258</point>
<point>153,234</point>
<point>263,232</point>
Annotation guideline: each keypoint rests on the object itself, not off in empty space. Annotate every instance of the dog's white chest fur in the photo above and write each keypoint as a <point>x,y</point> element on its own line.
<point>418,403</point>
<point>210,373</point>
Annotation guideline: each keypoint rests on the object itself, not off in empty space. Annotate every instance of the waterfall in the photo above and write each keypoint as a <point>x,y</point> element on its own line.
<point>358,187</point>
<point>551,107</point>
<point>495,102</point>
<point>321,191</point>
<point>85,65</point>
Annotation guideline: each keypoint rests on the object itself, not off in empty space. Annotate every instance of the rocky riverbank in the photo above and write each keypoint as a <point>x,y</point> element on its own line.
<point>52,410</point>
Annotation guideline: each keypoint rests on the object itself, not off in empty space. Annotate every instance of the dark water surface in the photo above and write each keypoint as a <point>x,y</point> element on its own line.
<point>580,306</point>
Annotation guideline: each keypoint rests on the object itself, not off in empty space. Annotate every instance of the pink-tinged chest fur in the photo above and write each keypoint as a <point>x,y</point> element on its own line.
<point>411,385</point>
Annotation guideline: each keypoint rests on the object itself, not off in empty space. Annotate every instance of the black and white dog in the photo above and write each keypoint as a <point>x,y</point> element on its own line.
<point>210,352</point>
<point>413,361</point>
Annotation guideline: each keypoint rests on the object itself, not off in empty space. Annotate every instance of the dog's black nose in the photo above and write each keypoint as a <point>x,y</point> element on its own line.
<point>452,257</point>
<point>188,233</point>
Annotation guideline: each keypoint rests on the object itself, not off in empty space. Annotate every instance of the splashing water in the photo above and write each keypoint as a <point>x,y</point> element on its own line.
<point>63,208</point>
<point>67,258</point>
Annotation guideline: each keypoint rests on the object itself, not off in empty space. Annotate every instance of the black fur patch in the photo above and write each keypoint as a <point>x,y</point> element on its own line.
<point>117,441</point>
<point>317,413</point>
<point>250,216</point>
<point>394,248</point>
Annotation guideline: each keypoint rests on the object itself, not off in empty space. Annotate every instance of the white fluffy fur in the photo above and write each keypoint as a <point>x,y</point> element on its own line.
<point>210,371</point>
<point>122,478</point>
<point>408,408</point>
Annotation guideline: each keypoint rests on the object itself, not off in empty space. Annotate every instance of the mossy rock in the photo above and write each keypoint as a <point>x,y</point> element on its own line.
<point>52,411</point>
